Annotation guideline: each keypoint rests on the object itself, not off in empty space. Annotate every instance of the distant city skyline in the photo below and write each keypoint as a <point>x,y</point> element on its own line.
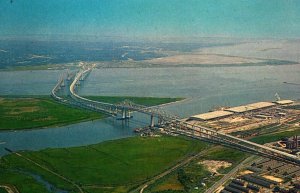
<point>151,19</point>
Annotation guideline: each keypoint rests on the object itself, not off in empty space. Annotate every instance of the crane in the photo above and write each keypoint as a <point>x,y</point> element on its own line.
<point>277,97</point>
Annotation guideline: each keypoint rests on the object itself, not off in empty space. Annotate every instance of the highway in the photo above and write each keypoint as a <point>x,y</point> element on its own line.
<point>9,188</point>
<point>207,134</point>
<point>174,124</point>
<point>230,174</point>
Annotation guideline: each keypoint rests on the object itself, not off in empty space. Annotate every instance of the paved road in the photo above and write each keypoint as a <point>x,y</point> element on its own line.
<point>9,188</point>
<point>225,178</point>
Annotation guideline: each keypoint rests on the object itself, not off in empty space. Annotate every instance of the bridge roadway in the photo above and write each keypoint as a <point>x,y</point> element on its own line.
<point>173,124</point>
<point>203,133</point>
<point>123,108</point>
<point>57,88</point>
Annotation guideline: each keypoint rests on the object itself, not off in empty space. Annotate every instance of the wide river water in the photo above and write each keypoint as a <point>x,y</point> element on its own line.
<point>204,87</point>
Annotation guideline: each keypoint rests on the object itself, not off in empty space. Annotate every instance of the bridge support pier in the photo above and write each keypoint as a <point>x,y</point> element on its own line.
<point>152,121</point>
<point>160,121</point>
<point>123,113</point>
<point>128,114</point>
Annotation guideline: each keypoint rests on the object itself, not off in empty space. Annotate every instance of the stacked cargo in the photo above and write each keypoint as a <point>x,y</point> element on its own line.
<point>253,187</point>
<point>267,180</point>
<point>259,181</point>
<point>239,182</point>
<point>239,187</point>
<point>225,191</point>
<point>254,169</point>
<point>236,186</point>
<point>233,190</point>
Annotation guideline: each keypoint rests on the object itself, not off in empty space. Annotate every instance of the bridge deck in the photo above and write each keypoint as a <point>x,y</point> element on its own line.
<point>174,124</point>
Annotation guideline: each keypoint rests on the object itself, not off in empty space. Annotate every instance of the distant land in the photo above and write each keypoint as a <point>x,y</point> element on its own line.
<point>35,55</point>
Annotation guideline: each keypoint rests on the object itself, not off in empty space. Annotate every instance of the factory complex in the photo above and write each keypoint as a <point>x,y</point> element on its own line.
<point>250,117</point>
<point>239,109</point>
<point>266,176</point>
<point>263,175</point>
<point>211,115</point>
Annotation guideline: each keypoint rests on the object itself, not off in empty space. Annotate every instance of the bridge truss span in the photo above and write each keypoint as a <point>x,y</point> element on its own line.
<point>123,108</point>
<point>169,122</point>
<point>200,132</point>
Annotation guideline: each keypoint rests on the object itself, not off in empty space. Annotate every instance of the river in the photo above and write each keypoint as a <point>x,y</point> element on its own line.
<point>204,87</point>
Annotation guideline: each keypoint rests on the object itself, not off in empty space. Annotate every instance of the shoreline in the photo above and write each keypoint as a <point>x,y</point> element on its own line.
<point>150,65</point>
<point>62,124</point>
<point>174,102</point>
<point>49,126</point>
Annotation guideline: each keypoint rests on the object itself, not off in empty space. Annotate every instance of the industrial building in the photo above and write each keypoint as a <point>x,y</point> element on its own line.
<point>258,106</point>
<point>292,143</point>
<point>211,115</point>
<point>267,176</point>
<point>284,102</point>
<point>250,107</point>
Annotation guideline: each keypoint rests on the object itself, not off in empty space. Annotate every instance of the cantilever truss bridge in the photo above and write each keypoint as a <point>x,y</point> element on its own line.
<point>171,123</point>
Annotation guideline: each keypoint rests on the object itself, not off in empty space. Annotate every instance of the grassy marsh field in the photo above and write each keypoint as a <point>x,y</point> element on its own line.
<point>190,176</point>
<point>27,112</point>
<point>147,101</point>
<point>275,136</point>
<point>193,174</point>
<point>120,164</point>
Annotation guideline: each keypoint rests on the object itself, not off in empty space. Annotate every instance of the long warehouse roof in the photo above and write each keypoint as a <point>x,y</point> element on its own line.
<point>211,115</point>
<point>250,107</point>
<point>284,102</point>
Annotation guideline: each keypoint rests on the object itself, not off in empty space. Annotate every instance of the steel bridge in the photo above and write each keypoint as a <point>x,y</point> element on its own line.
<point>124,108</point>
<point>171,123</point>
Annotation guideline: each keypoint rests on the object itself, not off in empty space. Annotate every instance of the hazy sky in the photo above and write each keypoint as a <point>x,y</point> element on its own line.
<point>152,18</point>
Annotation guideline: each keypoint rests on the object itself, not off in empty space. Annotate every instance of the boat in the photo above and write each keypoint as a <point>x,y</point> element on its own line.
<point>138,130</point>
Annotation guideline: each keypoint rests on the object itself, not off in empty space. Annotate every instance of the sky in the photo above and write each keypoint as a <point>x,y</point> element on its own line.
<point>151,18</point>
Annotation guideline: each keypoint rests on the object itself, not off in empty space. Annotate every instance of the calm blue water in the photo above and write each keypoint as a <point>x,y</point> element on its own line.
<point>204,87</point>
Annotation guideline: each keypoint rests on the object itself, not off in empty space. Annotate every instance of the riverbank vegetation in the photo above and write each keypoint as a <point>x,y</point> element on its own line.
<point>27,112</point>
<point>124,164</point>
<point>276,136</point>
<point>197,177</point>
<point>23,183</point>
<point>147,101</point>
<point>105,167</point>
<point>36,112</point>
